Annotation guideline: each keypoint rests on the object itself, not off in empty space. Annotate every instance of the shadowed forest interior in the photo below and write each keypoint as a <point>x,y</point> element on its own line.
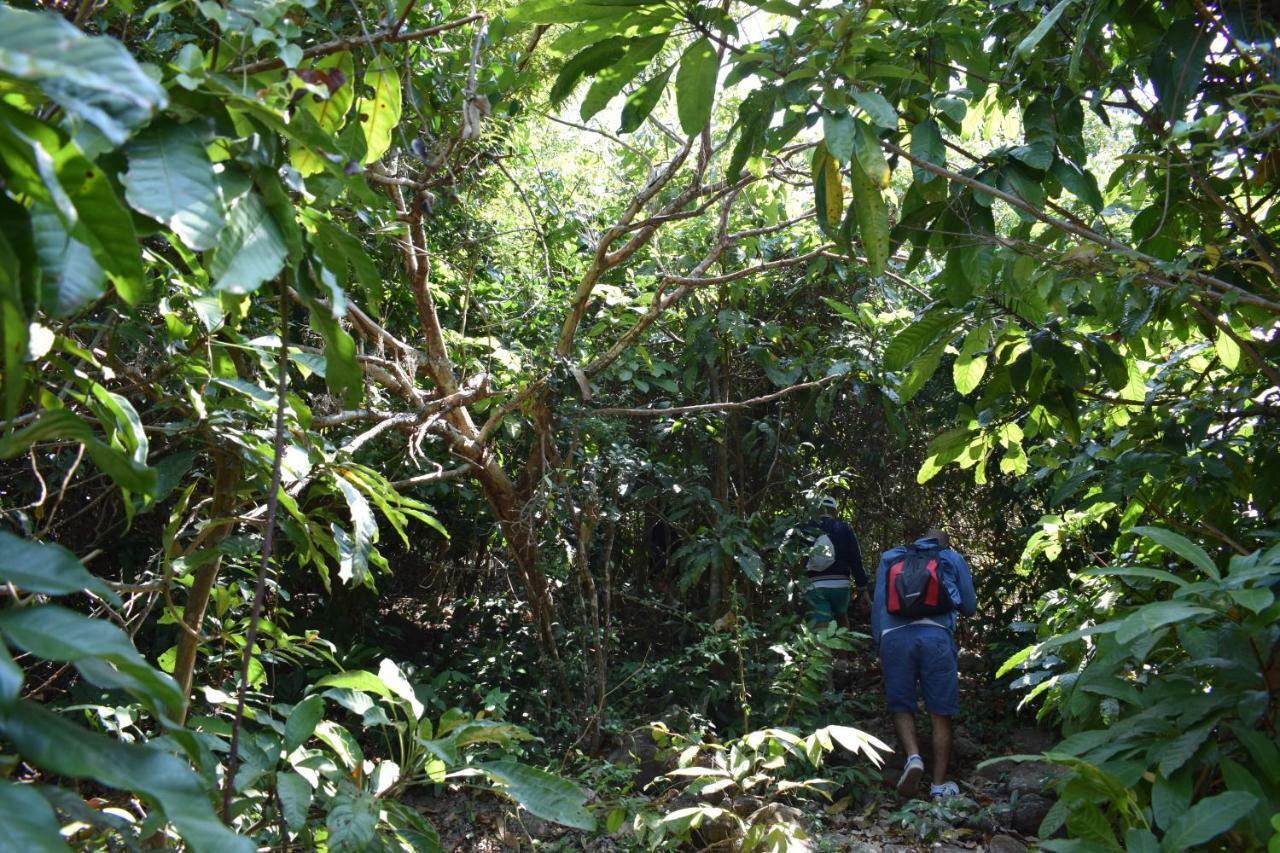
<point>416,419</point>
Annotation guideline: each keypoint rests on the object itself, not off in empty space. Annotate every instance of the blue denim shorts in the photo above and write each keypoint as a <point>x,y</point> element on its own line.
<point>921,656</point>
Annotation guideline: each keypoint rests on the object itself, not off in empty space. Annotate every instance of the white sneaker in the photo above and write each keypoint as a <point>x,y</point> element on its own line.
<point>946,789</point>
<point>909,781</point>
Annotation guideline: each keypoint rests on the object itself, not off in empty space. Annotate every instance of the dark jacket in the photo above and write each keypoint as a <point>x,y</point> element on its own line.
<point>848,559</point>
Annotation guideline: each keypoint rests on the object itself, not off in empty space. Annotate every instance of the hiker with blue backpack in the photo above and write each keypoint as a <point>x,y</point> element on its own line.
<point>919,590</point>
<point>833,564</point>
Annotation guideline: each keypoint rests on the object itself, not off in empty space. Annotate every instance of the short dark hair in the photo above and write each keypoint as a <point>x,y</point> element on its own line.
<point>940,535</point>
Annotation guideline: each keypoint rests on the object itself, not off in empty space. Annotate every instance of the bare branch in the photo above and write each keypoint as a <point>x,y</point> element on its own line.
<point>433,477</point>
<point>391,34</point>
<point>606,134</point>
<point>694,281</point>
<point>714,407</point>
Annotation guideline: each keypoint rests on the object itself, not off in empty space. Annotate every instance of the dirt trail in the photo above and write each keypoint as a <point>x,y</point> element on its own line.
<point>1001,805</point>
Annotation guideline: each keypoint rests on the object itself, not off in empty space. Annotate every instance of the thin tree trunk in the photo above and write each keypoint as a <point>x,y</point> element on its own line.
<point>592,597</point>
<point>226,475</point>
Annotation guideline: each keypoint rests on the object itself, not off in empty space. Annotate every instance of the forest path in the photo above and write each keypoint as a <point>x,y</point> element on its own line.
<point>1001,805</point>
<point>999,810</point>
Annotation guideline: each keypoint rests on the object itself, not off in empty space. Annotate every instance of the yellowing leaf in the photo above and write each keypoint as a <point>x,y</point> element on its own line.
<point>827,189</point>
<point>872,217</point>
<point>380,114</point>
<point>330,113</point>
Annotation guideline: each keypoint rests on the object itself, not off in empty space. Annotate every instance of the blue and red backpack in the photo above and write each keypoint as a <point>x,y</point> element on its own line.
<point>915,585</point>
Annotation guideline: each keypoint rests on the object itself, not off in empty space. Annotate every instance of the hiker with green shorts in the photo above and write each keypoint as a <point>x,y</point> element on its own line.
<point>832,568</point>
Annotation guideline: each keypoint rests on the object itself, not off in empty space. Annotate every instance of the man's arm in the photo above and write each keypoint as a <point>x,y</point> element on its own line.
<point>877,603</point>
<point>964,583</point>
<point>855,562</point>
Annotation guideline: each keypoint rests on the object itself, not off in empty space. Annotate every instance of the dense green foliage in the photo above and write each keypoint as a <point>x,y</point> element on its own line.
<point>384,386</point>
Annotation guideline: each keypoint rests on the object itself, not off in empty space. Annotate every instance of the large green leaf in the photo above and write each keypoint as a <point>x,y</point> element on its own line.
<point>1081,184</point>
<point>11,677</point>
<point>971,364</point>
<point>342,375</point>
<point>859,742</point>
<point>357,679</point>
<point>15,236</point>
<point>1178,65</point>
<point>926,143</point>
<point>752,566</point>
<point>46,568</point>
<point>302,722</point>
<point>54,171</point>
<point>559,12</point>
<point>642,101</point>
<point>696,85</point>
<point>102,652</point>
<point>1028,45</point>
<point>1183,547</point>
<point>170,178</point>
<point>91,77</point>
<point>295,794</point>
<point>945,448</point>
<point>1206,820</point>
<point>380,113</point>
<point>921,370</point>
<point>115,409</point>
<point>609,80</point>
<point>588,61</point>
<point>59,423</point>
<point>838,131</point>
<point>1157,614</point>
<point>877,109</point>
<point>543,794</point>
<point>251,249</point>
<point>866,147</point>
<point>70,278</point>
<point>916,338</point>
<point>754,114</point>
<point>352,820</point>
<point>341,742</point>
<point>29,822</point>
<point>295,798</point>
<point>56,745</point>
<point>354,561</point>
<point>391,676</point>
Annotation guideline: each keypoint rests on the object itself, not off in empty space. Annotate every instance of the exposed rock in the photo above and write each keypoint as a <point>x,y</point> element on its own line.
<point>719,832</point>
<point>638,749</point>
<point>745,805</point>
<point>1034,777</point>
<point>1005,844</point>
<point>1030,739</point>
<point>849,846</point>
<point>964,747</point>
<point>1029,811</point>
<point>996,770</point>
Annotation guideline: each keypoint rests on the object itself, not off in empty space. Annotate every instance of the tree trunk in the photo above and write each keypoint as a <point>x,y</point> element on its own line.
<point>226,475</point>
